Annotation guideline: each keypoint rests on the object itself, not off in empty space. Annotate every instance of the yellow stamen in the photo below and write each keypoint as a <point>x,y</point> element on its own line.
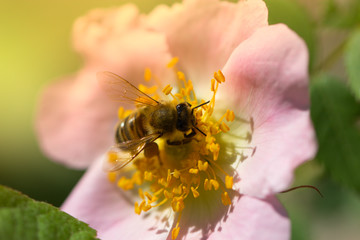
<point>202,166</point>
<point>147,74</point>
<point>148,90</point>
<point>156,178</point>
<point>229,182</point>
<point>175,233</point>
<point>225,198</point>
<point>146,207</point>
<point>219,76</point>
<point>125,183</point>
<point>181,76</point>
<point>230,116</point>
<point>127,113</point>
<point>148,176</point>
<point>137,208</point>
<point>112,176</point>
<point>215,184</point>
<point>141,194</point>
<point>212,85</point>
<point>195,192</point>
<point>112,157</point>
<point>176,173</point>
<point>173,62</point>
<point>193,171</point>
<point>121,113</point>
<point>223,127</point>
<point>167,89</point>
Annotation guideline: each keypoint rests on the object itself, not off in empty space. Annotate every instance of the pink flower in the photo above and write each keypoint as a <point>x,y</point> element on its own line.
<point>266,86</point>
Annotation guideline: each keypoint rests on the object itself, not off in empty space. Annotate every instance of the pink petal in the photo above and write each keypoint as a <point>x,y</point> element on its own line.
<point>255,219</point>
<point>203,33</point>
<point>267,77</point>
<point>75,119</point>
<point>106,208</point>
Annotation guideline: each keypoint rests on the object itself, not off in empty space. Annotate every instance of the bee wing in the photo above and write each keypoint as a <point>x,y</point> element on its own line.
<point>124,156</point>
<point>119,89</point>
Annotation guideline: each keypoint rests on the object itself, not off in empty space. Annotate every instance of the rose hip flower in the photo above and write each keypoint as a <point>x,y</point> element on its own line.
<point>251,136</point>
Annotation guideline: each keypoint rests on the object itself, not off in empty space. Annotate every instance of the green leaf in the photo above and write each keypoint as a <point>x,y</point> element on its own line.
<point>296,17</point>
<point>336,117</point>
<point>342,16</point>
<point>352,62</point>
<point>23,218</point>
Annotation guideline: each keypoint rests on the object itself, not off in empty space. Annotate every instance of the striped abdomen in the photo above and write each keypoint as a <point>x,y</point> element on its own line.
<point>131,128</point>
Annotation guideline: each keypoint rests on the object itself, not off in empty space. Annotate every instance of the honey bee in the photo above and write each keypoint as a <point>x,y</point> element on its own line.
<point>153,119</point>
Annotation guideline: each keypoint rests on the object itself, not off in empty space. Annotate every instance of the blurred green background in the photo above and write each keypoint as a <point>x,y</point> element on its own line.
<point>35,48</point>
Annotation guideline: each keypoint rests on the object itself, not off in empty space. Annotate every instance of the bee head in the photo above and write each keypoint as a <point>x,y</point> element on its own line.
<point>185,117</point>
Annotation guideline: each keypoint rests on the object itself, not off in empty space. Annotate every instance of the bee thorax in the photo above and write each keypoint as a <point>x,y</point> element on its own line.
<point>163,119</point>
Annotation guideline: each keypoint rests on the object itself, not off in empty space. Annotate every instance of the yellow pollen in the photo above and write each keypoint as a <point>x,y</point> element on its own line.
<point>202,166</point>
<point>229,182</point>
<point>177,204</point>
<point>167,89</point>
<point>173,62</point>
<point>195,192</point>
<point>148,90</point>
<point>147,74</point>
<point>187,170</point>
<point>215,184</point>
<point>112,156</point>
<point>177,190</point>
<point>112,176</point>
<point>175,233</point>
<point>193,171</point>
<point>207,185</point>
<point>225,199</point>
<point>146,207</point>
<point>176,173</point>
<point>121,113</point>
<point>136,178</point>
<point>137,208</point>
<point>219,76</point>
<point>212,85</point>
<point>230,116</point>
<point>148,176</point>
<point>224,127</point>
<point>141,194</point>
<point>125,183</point>
<point>168,195</point>
<point>181,76</point>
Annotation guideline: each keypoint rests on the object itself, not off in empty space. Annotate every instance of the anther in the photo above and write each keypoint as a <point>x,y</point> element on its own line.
<point>173,62</point>
<point>219,76</point>
<point>167,89</point>
<point>147,74</point>
<point>229,181</point>
<point>195,192</point>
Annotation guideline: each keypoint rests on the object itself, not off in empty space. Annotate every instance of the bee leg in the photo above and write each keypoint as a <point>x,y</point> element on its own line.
<point>187,140</point>
<point>152,149</point>
<point>173,142</point>
<point>191,134</point>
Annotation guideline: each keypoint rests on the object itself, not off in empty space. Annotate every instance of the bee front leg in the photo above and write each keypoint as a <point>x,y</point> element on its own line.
<point>191,134</point>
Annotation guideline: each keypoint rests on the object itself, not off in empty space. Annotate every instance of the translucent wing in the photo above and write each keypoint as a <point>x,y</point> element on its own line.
<point>123,153</point>
<point>119,89</point>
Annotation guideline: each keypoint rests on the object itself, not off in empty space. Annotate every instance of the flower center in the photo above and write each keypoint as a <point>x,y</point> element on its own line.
<point>184,171</point>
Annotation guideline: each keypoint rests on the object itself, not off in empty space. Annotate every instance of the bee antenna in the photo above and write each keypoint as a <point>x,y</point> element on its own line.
<point>200,131</point>
<point>192,110</point>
